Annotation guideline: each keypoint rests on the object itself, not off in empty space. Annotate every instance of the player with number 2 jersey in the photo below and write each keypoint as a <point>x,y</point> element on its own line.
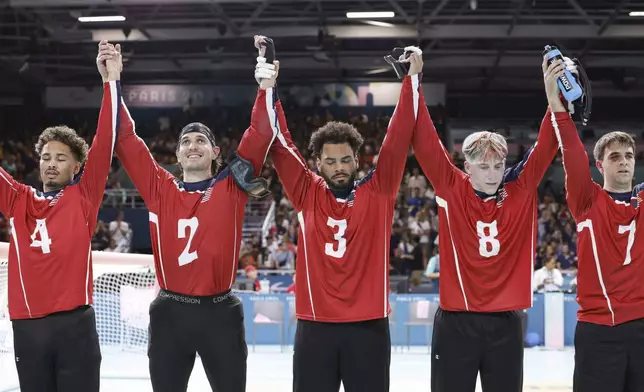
<point>609,336</point>
<point>343,246</point>
<point>195,227</point>
<point>488,227</point>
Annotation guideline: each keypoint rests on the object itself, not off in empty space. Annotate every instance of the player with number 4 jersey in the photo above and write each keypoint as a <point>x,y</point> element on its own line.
<point>488,227</point>
<point>196,230</point>
<point>343,248</point>
<point>50,264</point>
<point>609,336</point>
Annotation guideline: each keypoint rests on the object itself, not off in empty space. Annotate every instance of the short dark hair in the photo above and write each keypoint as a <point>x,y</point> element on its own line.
<point>618,137</point>
<point>68,137</point>
<point>335,132</point>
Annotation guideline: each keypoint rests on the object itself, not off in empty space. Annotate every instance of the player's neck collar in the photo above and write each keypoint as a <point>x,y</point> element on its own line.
<point>484,195</point>
<point>196,186</point>
<point>343,193</point>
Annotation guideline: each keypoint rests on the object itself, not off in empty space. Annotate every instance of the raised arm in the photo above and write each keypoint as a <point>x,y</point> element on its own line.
<point>99,159</point>
<point>530,170</point>
<point>258,138</point>
<point>430,153</point>
<point>395,148</point>
<point>144,171</point>
<point>9,191</point>
<point>580,187</point>
<point>289,163</point>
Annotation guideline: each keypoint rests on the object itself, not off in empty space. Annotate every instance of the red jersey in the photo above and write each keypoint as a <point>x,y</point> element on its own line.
<point>195,235</point>
<point>343,251</point>
<point>50,258</point>
<point>610,279</point>
<point>486,246</point>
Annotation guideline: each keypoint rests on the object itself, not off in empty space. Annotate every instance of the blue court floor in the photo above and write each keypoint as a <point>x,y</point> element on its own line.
<point>269,370</point>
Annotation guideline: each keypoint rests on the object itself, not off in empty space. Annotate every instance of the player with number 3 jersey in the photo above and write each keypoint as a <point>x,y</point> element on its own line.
<point>488,227</point>
<point>609,336</point>
<point>50,264</point>
<point>343,248</point>
<point>196,226</point>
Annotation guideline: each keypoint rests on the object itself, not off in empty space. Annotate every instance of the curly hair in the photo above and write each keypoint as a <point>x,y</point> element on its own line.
<point>335,132</point>
<point>68,137</point>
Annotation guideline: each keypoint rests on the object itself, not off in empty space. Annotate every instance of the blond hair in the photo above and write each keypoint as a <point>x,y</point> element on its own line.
<point>621,138</point>
<point>479,145</point>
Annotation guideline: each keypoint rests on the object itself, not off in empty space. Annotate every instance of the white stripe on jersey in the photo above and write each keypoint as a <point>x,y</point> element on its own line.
<point>155,219</point>
<point>115,111</point>
<point>300,218</point>
<point>442,203</point>
<point>232,276</point>
<point>22,282</point>
<point>589,225</point>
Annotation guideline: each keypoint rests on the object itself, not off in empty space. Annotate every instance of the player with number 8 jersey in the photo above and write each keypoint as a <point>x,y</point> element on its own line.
<point>343,244</point>
<point>488,227</point>
<point>196,231</point>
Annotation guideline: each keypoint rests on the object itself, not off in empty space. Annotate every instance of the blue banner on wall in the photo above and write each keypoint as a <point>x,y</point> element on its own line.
<point>270,319</point>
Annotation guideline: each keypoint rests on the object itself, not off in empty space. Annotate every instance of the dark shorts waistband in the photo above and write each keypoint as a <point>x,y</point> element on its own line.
<point>196,300</point>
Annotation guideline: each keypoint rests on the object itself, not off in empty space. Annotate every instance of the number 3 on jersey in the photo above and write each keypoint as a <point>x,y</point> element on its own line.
<point>338,236</point>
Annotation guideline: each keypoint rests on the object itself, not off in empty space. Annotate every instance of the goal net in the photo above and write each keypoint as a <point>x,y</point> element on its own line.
<point>124,286</point>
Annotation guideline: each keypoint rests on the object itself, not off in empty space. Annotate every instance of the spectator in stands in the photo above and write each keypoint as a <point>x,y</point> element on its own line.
<point>417,181</point>
<point>565,258</point>
<point>282,257</point>
<point>548,277</point>
<point>433,267</point>
<point>101,238</point>
<point>121,233</point>
<point>251,273</point>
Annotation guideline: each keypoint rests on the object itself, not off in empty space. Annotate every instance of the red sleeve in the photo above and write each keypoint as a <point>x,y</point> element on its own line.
<point>99,159</point>
<point>530,170</point>
<point>395,148</point>
<point>259,136</point>
<point>580,187</point>
<point>145,172</point>
<point>9,191</point>
<point>289,163</point>
<point>432,156</point>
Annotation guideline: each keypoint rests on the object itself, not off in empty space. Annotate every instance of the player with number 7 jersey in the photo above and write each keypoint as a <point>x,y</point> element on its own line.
<point>487,240</point>
<point>609,336</point>
<point>196,231</point>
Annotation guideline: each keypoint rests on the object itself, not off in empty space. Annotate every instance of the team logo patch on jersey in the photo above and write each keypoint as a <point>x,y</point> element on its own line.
<point>503,194</point>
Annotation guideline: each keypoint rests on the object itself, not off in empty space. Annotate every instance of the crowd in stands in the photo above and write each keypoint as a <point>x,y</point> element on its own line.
<point>414,250</point>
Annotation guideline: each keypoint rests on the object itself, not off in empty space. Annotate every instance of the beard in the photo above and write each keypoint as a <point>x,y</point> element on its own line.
<point>338,187</point>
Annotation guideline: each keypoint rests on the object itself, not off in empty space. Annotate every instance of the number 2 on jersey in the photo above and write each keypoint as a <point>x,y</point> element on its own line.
<point>189,225</point>
<point>329,248</point>
<point>44,242</point>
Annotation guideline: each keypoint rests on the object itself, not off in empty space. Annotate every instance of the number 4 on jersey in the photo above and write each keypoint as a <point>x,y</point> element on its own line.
<point>44,243</point>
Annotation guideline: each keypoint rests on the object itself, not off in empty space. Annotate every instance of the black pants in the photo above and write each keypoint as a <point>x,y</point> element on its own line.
<point>609,358</point>
<point>358,354</point>
<point>466,343</point>
<point>182,326</point>
<point>59,352</point>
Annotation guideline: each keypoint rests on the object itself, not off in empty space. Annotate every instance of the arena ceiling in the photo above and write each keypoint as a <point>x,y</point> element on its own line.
<point>472,45</point>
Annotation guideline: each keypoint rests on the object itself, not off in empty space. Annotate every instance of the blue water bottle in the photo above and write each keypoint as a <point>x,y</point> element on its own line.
<point>567,82</point>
